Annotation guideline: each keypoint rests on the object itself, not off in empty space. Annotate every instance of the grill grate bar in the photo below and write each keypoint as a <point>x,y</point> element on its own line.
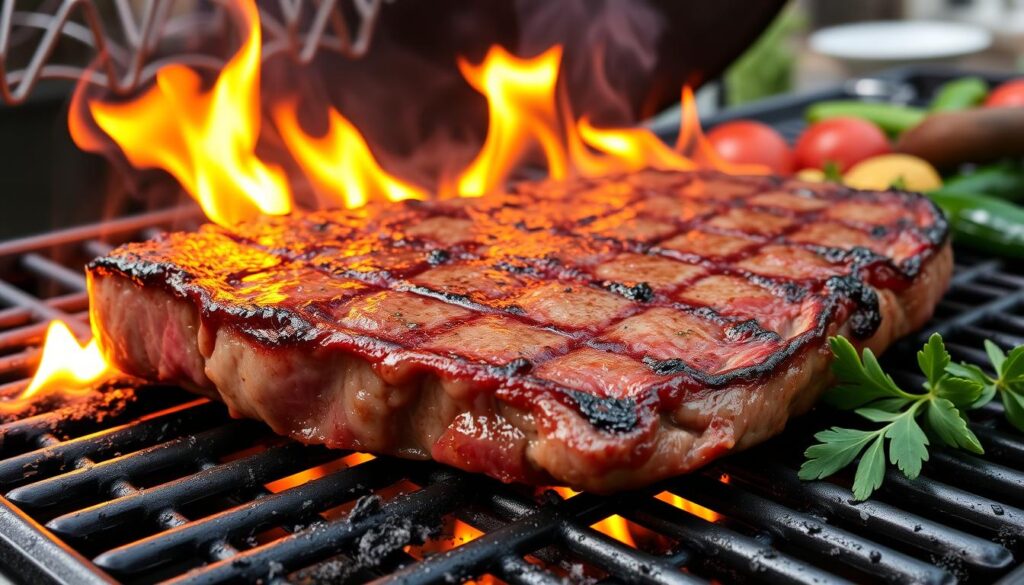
<point>72,280</point>
<point>245,473</point>
<point>876,517</point>
<point>52,459</point>
<point>286,506</point>
<point>445,491</point>
<point>808,533</point>
<point>84,483</point>
<point>956,504</point>
<point>612,556</point>
<point>742,555</point>
<point>41,310</point>
<point>988,477</point>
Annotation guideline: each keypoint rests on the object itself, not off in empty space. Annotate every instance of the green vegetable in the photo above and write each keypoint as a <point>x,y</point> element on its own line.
<point>892,118</point>
<point>959,94</point>
<point>1009,384</point>
<point>1004,180</point>
<point>982,222</point>
<point>906,415</point>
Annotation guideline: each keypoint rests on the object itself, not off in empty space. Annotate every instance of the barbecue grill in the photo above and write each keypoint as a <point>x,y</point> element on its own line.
<point>150,484</point>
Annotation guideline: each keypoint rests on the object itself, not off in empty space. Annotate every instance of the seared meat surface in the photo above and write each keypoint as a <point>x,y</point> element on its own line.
<point>600,333</point>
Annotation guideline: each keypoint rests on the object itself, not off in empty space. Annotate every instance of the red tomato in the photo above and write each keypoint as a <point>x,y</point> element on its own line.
<point>1006,95</point>
<point>840,141</point>
<point>749,142</point>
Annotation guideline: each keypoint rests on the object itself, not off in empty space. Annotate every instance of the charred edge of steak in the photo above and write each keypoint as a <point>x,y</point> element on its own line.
<point>618,415</point>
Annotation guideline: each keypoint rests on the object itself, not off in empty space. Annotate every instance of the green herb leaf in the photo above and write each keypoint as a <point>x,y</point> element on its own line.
<point>1013,404</point>
<point>870,470</point>
<point>948,425</point>
<point>837,447</point>
<point>995,355</point>
<point>962,392</point>
<point>879,414</point>
<point>976,374</point>
<point>908,445</point>
<point>860,382</point>
<point>933,360</point>
<point>1011,371</point>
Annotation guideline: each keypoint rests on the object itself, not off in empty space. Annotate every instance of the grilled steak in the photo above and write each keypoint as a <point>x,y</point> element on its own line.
<point>600,333</point>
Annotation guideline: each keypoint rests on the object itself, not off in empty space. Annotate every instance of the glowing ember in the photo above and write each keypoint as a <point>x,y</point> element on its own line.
<point>521,105</point>
<point>616,527</point>
<point>206,139</point>
<point>341,161</point>
<point>66,366</point>
<point>688,506</point>
<point>565,492</point>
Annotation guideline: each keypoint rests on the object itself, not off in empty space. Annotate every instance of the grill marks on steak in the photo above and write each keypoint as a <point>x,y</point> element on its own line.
<point>605,302</point>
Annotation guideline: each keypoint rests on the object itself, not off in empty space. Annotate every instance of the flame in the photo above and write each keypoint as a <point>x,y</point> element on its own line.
<point>691,139</point>
<point>341,160</point>
<point>564,492</point>
<point>521,106</point>
<point>616,527</point>
<point>688,506</point>
<point>66,367</point>
<point>631,149</point>
<point>206,139</point>
<point>525,110</point>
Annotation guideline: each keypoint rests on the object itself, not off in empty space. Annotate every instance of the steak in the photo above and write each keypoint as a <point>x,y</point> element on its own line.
<point>597,333</point>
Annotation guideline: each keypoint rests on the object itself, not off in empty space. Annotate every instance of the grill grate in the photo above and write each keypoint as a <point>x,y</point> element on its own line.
<point>166,487</point>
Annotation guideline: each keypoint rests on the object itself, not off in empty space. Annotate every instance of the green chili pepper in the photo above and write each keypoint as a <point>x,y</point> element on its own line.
<point>983,222</point>
<point>893,118</point>
<point>1004,180</point>
<point>959,94</point>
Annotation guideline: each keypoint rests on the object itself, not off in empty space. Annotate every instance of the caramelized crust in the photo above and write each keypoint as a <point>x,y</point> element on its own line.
<point>601,333</point>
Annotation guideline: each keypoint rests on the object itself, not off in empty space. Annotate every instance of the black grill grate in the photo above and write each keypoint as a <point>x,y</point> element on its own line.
<point>166,487</point>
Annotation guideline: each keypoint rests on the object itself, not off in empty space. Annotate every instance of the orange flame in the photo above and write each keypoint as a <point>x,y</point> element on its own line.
<point>341,161</point>
<point>691,139</point>
<point>206,139</point>
<point>616,527</point>
<point>688,506</point>
<point>524,110</point>
<point>521,105</point>
<point>66,367</point>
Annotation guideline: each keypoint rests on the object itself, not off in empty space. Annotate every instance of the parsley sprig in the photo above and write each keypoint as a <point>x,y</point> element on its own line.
<point>911,421</point>
<point>1009,383</point>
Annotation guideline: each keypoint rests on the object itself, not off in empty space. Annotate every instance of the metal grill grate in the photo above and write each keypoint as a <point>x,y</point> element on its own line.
<point>165,486</point>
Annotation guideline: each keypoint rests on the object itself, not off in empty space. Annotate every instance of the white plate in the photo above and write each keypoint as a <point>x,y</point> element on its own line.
<point>915,40</point>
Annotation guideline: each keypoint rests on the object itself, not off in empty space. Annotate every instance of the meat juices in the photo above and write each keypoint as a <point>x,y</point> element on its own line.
<point>598,333</point>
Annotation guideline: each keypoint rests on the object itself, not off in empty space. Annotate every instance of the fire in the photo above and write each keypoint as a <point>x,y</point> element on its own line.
<point>616,527</point>
<point>691,139</point>
<point>521,105</point>
<point>206,139</point>
<point>341,160</point>
<point>66,367</point>
<point>525,110</point>
<point>691,507</point>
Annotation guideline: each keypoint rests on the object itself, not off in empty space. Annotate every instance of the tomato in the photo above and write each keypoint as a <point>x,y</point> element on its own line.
<point>840,141</point>
<point>1006,95</point>
<point>749,142</point>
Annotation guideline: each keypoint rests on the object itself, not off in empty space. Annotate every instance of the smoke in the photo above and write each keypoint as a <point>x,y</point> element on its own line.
<point>610,51</point>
